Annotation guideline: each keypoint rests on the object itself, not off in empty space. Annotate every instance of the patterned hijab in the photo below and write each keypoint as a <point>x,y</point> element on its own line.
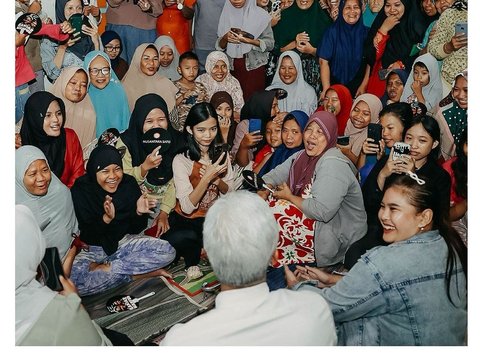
<point>455,116</point>
<point>303,167</point>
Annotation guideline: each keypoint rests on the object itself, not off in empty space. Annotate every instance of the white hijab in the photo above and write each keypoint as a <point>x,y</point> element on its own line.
<point>249,18</point>
<point>433,91</point>
<point>53,211</point>
<point>31,298</point>
<point>301,95</point>
<point>171,70</point>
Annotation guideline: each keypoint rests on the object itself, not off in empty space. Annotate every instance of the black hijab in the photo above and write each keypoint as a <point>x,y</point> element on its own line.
<point>88,198</point>
<point>132,138</point>
<point>83,46</point>
<point>403,36</point>
<point>32,132</point>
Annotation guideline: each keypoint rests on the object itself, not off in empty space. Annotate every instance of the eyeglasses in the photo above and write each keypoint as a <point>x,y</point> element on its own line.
<point>110,48</point>
<point>94,71</point>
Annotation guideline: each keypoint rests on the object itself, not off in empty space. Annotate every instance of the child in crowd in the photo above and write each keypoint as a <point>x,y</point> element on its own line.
<point>424,84</point>
<point>190,92</point>
<point>273,136</point>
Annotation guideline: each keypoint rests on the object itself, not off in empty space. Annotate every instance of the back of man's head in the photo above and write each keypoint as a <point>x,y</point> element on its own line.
<point>240,234</point>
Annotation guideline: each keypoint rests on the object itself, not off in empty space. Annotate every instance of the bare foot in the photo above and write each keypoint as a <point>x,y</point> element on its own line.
<point>97,266</point>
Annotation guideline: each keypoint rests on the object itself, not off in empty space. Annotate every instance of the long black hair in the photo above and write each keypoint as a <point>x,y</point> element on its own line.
<point>460,167</point>
<point>424,197</point>
<point>431,127</point>
<point>197,114</point>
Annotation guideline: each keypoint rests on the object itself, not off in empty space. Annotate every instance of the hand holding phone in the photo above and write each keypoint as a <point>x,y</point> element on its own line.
<point>374,132</point>
<point>254,125</point>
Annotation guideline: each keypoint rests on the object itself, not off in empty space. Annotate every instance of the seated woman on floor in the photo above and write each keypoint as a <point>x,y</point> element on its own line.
<point>152,171</point>
<point>111,213</point>
<point>319,186</point>
<point>388,297</point>
<point>43,126</point>
<point>44,316</point>
<point>200,177</point>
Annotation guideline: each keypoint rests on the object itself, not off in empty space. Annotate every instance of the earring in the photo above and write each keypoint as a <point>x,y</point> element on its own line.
<point>421,228</point>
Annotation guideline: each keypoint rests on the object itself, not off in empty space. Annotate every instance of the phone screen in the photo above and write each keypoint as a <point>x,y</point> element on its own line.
<point>375,132</point>
<point>254,125</point>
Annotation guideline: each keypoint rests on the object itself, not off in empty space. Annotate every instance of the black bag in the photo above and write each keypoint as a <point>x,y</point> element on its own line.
<point>50,269</point>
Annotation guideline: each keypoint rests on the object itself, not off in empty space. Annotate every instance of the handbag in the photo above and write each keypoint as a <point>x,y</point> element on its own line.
<point>51,268</point>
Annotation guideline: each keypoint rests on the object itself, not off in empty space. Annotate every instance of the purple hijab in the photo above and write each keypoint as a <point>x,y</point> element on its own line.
<point>303,168</point>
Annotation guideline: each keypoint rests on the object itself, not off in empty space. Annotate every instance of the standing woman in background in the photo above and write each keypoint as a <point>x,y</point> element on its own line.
<point>112,44</point>
<point>250,55</point>
<point>300,29</point>
<point>57,56</point>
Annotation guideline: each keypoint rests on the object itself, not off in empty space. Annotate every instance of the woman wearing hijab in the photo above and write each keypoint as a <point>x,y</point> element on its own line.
<point>71,86</point>
<point>111,212</point>
<point>107,94</point>
<point>318,184</point>
<point>112,44</point>
<point>300,29</point>
<point>45,195</point>
<point>143,78</point>
<point>338,101</point>
<point>57,56</point>
<point>391,39</point>
<point>452,116</point>
<point>289,77</point>
<point>44,316</point>
<point>250,55</point>
<point>152,171</point>
<point>168,56</point>
<point>365,110</point>
<point>43,126</point>
<point>284,151</point>
<point>218,78</point>
<point>341,49</point>
<point>223,104</point>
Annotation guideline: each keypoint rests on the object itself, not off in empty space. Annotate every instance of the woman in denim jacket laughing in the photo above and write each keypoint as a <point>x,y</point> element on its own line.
<point>412,292</point>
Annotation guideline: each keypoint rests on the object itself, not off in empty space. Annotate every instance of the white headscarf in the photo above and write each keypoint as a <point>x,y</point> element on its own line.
<point>53,211</point>
<point>433,91</point>
<point>249,18</point>
<point>171,70</point>
<point>31,298</point>
<point>301,95</point>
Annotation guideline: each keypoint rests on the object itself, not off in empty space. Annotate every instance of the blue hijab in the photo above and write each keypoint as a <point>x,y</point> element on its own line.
<point>282,153</point>
<point>110,103</point>
<point>342,47</point>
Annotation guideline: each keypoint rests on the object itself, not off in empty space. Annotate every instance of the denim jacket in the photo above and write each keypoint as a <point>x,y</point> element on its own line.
<point>396,295</point>
<point>258,56</point>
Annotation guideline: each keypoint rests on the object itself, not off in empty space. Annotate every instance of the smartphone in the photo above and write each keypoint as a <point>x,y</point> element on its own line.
<point>51,268</point>
<point>218,150</point>
<point>383,73</point>
<point>343,140</point>
<point>76,20</point>
<point>400,149</point>
<point>375,132</point>
<point>461,27</point>
<point>254,125</point>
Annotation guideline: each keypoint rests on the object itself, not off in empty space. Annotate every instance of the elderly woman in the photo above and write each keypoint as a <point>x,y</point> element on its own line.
<point>218,78</point>
<point>289,77</point>
<point>317,184</point>
<point>107,93</point>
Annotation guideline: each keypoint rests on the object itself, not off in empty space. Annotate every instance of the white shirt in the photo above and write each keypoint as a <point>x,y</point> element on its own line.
<point>255,316</point>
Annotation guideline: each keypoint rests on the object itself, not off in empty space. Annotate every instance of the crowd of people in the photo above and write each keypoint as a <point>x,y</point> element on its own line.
<point>136,147</point>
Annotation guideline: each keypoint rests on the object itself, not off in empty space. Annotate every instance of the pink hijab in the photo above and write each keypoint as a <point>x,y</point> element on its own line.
<point>303,168</point>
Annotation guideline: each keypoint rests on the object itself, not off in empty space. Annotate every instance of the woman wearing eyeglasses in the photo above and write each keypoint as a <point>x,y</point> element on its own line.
<point>106,92</point>
<point>112,45</point>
